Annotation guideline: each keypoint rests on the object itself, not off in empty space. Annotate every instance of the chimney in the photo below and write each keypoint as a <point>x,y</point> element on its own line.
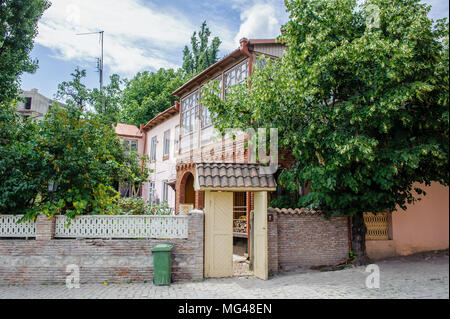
<point>243,43</point>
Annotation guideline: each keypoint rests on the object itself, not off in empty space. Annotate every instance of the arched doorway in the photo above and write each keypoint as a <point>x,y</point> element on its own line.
<point>189,193</point>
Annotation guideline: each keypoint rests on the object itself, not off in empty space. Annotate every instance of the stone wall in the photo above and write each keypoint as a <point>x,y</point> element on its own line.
<point>303,240</point>
<point>45,260</point>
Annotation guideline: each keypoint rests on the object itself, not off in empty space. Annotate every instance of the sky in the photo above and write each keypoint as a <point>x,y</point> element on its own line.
<point>145,35</point>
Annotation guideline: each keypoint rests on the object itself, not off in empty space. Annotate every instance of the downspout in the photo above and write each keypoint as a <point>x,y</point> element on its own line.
<point>145,147</point>
<point>349,225</point>
<point>243,45</point>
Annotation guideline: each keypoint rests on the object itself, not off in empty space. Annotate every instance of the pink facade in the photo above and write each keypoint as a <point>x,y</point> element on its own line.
<point>131,133</point>
<point>424,226</point>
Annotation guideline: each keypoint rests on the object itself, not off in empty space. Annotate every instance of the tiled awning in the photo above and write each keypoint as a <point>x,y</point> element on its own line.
<point>232,176</point>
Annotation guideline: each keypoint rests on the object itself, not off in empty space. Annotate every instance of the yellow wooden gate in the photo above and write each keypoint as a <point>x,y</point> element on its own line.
<point>218,234</point>
<point>260,264</point>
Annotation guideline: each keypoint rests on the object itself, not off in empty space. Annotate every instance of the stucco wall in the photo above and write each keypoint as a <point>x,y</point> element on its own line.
<point>163,169</point>
<point>423,226</point>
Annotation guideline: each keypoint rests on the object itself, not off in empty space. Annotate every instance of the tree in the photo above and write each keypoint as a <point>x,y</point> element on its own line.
<point>363,108</point>
<point>17,162</point>
<point>148,94</point>
<point>107,101</point>
<point>74,93</point>
<point>202,54</point>
<point>83,155</point>
<point>18,27</point>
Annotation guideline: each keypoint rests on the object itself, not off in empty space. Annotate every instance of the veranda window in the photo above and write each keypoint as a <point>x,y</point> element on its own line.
<point>189,113</point>
<point>205,116</point>
<point>236,75</point>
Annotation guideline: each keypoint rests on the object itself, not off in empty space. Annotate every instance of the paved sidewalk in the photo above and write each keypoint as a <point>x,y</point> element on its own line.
<point>420,276</point>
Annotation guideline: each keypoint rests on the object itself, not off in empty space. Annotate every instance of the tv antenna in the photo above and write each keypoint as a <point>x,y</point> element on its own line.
<point>99,60</point>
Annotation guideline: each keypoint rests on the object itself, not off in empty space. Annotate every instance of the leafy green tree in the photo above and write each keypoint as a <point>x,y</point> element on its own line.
<point>363,107</point>
<point>84,156</point>
<point>18,27</point>
<point>18,189</point>
<point>148,94</point>
<point>107,101</point>
<point>74,92</point>
<point>203,54</point>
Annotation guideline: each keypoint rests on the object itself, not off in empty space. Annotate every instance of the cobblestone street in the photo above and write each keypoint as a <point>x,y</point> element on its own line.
<point>420,276</point>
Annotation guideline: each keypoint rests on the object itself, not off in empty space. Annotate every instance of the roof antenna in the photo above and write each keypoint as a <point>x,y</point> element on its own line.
<point>99,60</point>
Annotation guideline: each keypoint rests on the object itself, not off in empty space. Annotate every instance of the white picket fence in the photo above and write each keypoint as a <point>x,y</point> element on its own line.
<point>103,226</point>
<point>10,228</point>
<point>122,226</point>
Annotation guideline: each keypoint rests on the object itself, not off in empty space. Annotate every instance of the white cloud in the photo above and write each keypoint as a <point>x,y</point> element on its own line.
<point>262,20</point>
<point>141,36</point>
<point>137,37</point>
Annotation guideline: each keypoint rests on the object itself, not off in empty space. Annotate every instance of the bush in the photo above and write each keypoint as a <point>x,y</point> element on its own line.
<point>133,206</point>
<point>138,206</point>
<point>160,209</point>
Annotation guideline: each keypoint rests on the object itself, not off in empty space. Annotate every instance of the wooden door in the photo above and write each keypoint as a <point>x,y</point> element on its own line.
<point>260,264</point>
<point>218,234</point>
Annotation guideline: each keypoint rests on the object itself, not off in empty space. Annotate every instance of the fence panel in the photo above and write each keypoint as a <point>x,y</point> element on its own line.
<point>377,226</point>
<point>103,226</point>
<point>10,228</point>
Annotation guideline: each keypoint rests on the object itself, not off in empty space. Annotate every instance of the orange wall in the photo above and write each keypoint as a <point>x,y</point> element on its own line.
<point>424,225</point>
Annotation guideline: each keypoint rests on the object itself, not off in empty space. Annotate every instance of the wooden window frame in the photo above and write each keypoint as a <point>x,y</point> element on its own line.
<point>166,145</point>
<point>153,148</point>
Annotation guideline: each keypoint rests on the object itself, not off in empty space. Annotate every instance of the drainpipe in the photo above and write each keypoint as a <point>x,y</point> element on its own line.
<point>145,147</point>
<point>349,225</point>
<point>243,45</point>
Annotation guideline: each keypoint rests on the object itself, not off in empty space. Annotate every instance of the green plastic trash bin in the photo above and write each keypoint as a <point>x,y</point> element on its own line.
<point>161,264</point>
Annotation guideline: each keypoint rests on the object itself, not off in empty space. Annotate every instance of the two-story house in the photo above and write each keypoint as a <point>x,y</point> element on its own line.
<point>132,140</point>
<point>229,166</point>
<point>35,105</point>
<point>161,146</point>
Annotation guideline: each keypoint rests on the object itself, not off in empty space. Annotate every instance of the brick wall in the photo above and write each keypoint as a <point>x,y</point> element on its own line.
<point>45,261</point>
<point>304,240</point>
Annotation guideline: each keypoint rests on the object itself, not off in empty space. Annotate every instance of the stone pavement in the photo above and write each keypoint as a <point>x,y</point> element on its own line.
<point>420,276</point>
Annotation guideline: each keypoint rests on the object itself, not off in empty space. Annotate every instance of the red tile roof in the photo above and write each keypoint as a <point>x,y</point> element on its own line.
<point>232,175</point>
<point>292,211</point>
<point>128,130</point>
<point>161,117</point>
